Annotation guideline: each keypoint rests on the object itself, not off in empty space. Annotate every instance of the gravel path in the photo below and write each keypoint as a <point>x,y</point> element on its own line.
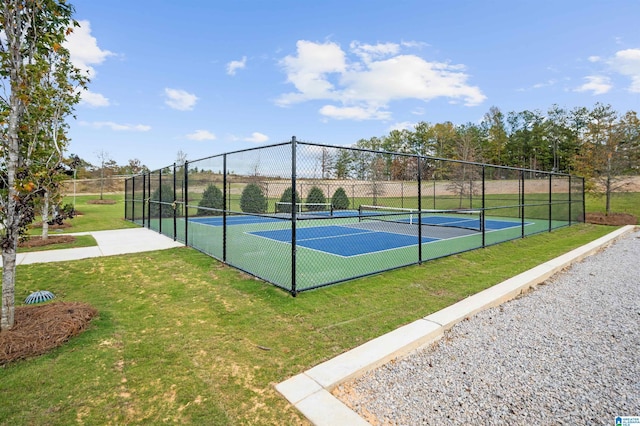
<point>567,353</point>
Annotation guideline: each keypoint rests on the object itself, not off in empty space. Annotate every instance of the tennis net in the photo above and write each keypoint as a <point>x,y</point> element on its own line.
<point>462,218</point>
<point>302,209</point>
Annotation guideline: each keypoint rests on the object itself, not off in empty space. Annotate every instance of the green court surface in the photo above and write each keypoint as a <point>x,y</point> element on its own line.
<point>330,250</point>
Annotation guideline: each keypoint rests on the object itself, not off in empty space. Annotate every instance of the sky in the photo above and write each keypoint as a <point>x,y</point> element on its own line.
<point>204,77</point>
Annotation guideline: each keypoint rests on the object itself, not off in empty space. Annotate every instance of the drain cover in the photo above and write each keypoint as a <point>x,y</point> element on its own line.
<point>38,296</point>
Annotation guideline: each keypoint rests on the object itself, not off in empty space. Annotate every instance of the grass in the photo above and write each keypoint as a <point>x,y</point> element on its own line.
<point>98,217</point>
<point>92,217</point>
<point>621,202</point>
<point>181,338</point>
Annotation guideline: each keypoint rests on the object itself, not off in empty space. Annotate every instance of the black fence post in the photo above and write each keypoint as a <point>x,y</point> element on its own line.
<point>160,206</point>
<point>522,199</point>
<point>584,204</point>
<point>185,202</point>
<point>175,205</point>
<point>482,210</point>
<point>570,200</point>
<point>419,210</point>
<point>147,204</point>
<point>550,199</point>
<point>293,216</point>
<point>224,211</point>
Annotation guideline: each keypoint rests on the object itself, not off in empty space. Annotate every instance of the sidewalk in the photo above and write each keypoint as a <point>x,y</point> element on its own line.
<point>110,243</point>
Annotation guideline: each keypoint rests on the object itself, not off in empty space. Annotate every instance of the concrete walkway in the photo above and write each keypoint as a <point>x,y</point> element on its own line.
<point>110,243</point>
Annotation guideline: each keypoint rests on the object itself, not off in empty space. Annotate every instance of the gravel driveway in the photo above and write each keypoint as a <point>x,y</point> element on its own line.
<point>568,353</point>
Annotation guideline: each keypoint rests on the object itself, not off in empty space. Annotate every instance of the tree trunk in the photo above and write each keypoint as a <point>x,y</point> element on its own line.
<point>45,215</point>
<point>8,288</point>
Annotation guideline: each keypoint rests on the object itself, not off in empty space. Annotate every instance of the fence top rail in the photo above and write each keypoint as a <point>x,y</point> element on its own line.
<point>372,151</point>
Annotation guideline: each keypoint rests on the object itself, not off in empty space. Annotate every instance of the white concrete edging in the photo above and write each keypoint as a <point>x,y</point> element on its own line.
<point>310,392</point>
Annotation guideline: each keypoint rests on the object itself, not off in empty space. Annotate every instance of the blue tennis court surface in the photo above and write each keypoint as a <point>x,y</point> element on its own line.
<point>343,240</point>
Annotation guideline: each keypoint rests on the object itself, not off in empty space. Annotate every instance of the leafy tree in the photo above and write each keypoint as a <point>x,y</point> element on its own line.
<point>342,166</point>
<point>38,93</point>
<point>162,195</point>
<point>286,200</point>
<point>609,151</point>
<point>316,196</point>
<point>212,197</point>
<point>252,199</point>
<point>340,201</point>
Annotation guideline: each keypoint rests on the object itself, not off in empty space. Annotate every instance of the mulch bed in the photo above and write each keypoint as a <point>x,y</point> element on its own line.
<point>614,219</point>
<point>101,202</point>
<point>53,239</point>
<point>39,329</point>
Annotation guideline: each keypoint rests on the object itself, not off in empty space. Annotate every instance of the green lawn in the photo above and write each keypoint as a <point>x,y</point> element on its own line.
<point>181,338</point>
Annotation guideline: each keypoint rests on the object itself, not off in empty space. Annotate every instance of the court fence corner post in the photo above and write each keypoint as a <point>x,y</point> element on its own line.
<point>294,290</point>
<point>185,202</point>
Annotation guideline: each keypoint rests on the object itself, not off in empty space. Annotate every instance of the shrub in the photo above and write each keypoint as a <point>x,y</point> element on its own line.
<point>252,199</point>
<point>316,195</point>
<point>286,198</point>
<point>165,194</point>
<point>340,201</point>
<point>211,197</point>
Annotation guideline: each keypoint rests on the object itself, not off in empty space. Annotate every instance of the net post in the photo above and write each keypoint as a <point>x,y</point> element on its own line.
<point>419,210</point>
<point>293,217</point>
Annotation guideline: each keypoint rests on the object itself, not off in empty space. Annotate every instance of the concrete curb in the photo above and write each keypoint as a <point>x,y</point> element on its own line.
<point>310,392</point>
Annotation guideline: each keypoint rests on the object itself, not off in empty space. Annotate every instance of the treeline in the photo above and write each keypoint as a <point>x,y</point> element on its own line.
<point>594,143</point>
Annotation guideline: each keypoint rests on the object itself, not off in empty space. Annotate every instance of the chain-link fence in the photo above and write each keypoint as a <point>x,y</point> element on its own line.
<point>302,215</point>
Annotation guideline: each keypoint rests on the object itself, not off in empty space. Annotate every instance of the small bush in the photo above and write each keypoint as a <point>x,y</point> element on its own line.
<point>164,194</point>
<point>253,200</point>
<point>286,197</point>
<point>340,201</point>
<point>316,196</point>
<point>212,198</point>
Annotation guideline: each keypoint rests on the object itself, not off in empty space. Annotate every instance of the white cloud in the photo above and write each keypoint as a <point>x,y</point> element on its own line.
<point>547,83</point>
<point>180,99</point>
<point>257,138</point>
<point>363,82</point>
<point>627,63</point>
<point>369,52</point>
<point>84,50</point>
<point>87,97</point>
<point>233,66</point>
<point>594,58</point>
<point>201,135</point>
<point>354,113</point>
<point>403,125</point>
<point>308,71</point>
<point>597,84</point>
<point>119,127</point>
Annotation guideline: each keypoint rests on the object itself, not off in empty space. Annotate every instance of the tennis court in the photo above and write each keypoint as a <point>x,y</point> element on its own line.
<point>285,215</point>
<point>370,229</point>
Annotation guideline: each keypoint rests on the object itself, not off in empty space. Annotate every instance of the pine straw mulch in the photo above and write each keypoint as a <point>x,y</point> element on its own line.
<point>104,201</point>
<point>614,219</point>
<point>53,239</point>
<point>39,329</point>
